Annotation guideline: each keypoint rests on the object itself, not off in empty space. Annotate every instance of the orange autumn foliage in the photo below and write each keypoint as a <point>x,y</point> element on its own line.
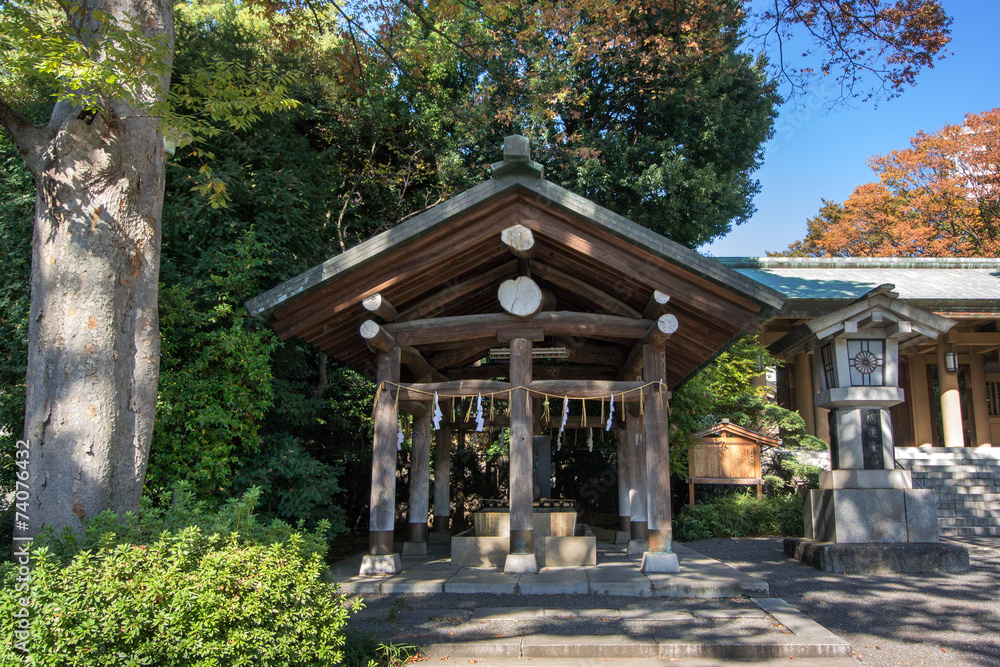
<point>938,198</point>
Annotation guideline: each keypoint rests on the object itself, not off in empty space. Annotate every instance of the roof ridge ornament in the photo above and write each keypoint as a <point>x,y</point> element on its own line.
<point>517,158</point>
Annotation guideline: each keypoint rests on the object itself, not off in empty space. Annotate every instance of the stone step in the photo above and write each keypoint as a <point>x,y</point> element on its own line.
<point>976,468</point>
<point>968,513</point>
<point>958,522</point>
<point>970,501</point>
<point>964,465</point>
<point>983,492</point>
<point>971,531</point>
<point>955,475</point>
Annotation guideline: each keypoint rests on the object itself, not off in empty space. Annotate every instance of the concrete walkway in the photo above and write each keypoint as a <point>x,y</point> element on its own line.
<point>572,628</point>
<point>615,574</point>
<point>706,613</point>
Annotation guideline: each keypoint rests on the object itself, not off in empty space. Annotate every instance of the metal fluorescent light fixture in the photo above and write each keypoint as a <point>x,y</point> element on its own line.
<point>503,353</point>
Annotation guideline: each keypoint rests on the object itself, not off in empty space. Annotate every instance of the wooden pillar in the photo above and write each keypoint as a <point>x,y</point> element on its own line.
<point>951,402</point>
<point>920,398</point>
<point>624,480</point>
<point>980,407</point>
<point>659,557</point>
<point>420,481</point>
<point>380,558</point>
<point>654,359</point>
<point>821,416</point>
<point>460,459</point>
<point>442,482</point>
<point>805,401</point>
<point>636,437</point>
<point>521,557</point>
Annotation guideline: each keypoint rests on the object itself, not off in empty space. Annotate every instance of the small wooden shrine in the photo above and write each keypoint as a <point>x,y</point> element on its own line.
<point>518,291</point>
<point>727,454</point>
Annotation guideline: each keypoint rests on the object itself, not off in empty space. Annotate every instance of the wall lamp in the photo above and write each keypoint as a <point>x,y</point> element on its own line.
<point>951,362</point>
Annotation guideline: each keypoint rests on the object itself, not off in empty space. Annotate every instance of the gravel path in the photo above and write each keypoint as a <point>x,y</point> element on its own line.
<point>930,619</point>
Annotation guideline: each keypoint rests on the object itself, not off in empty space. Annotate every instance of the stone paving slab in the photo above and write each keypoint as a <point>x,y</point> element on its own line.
<point>424,615</point>
<point>507,614</point>
<point>615,575</point>
<point>726,630</point>
<point>450,661</point>
<point>657,615</point>
<point>481,580</point>
<point>588,646</point>
<point>581,613</point>
<point>556,581</point>
<point>503,647</point>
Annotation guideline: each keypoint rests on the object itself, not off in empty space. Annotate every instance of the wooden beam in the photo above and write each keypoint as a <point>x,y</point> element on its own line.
<point>415,408</point>
<point>554,421</point>
<point>609,304</point>
<point>461,357</point>
<point>590,353</point>
<point>539,371</point>
<point>424,391</point>
<point>457,291</point>
<point>412,359</point>
<point>590,388</point>
<point>519,240</point>
<point>657,305</point>
<point>420,332</point>
<point>657,334</point>
<point>379,340</point>
<point>376,337</point>
<point>380,307</point>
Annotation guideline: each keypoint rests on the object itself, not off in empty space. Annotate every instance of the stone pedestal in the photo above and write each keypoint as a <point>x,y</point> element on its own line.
<point>381,565</point>
<point>520,564</point>
<point>656,561</point>
<point>854,516</point>
<point>910,558</point>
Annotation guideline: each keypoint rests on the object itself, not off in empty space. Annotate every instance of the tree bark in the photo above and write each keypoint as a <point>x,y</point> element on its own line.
<point>93,333</point>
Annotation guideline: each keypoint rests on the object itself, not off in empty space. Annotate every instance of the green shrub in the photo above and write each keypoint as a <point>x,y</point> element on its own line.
<point>791,474</point>
<point>187,598</point>
<point>740,515</point>
<point>177,584</point>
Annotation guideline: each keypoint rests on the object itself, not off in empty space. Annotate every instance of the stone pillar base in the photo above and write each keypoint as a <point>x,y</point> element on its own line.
<point>520,564</point>
<point>415,548</point>
<point>657,561</point>
<point>637,547</point>
<point>381,565</point>
<point>875,558</point>
<point>622,536</point>
<point>854,516</point>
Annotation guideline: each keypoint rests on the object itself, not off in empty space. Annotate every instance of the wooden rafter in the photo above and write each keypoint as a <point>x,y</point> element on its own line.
<point>455,292</point>
<point>607,303</point>
<point>419,332</point>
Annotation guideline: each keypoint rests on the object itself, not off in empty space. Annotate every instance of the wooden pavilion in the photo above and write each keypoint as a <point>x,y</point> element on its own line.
<point>522,290</point>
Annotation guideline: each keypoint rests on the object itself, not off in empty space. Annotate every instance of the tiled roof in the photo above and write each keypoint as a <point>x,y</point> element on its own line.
<point>938,280</point>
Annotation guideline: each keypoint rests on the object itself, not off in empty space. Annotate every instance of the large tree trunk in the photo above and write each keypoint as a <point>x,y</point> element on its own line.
<point>93,335</point>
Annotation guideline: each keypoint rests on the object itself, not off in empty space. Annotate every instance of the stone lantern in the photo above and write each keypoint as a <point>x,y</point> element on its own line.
<point>864,501</point>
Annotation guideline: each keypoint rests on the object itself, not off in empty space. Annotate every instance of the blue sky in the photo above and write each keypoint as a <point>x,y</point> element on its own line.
<point>819,154</point>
